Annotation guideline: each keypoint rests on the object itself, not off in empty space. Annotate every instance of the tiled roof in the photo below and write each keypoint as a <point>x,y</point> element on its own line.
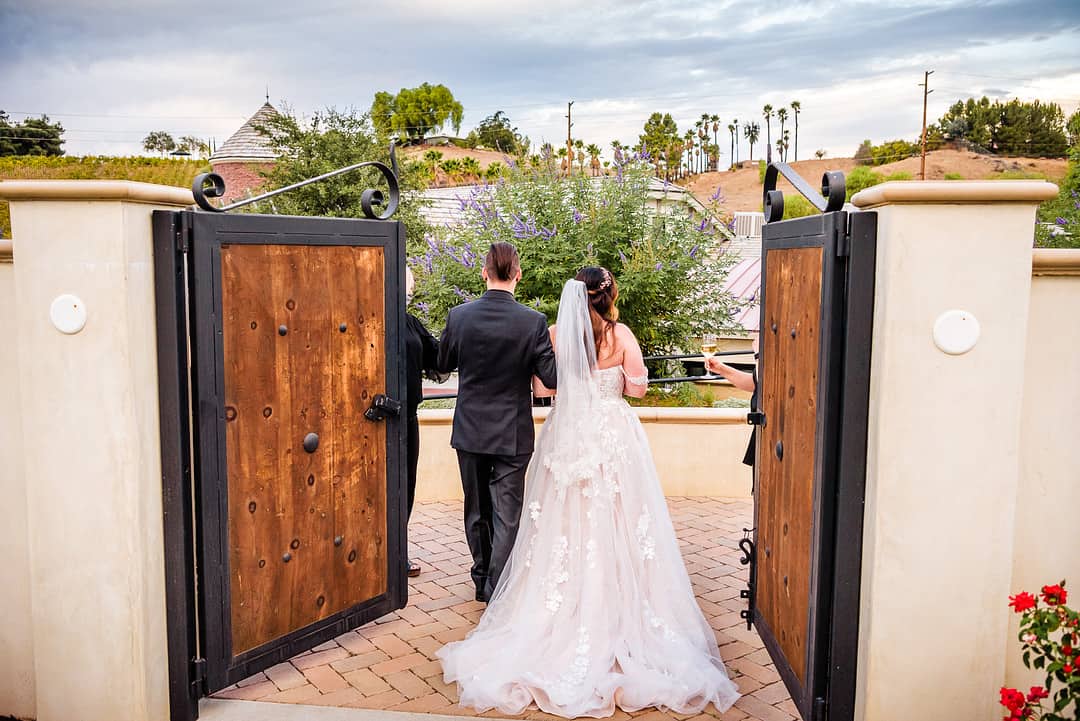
<point>744,282</point>
<point>247,143</point>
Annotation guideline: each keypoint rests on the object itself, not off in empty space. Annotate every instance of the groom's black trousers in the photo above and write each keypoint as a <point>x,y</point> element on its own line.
<point>494,488</point>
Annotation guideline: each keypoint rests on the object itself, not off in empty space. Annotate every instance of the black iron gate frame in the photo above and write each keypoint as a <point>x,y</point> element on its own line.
<point>849,242</point>
<point>203,602</point>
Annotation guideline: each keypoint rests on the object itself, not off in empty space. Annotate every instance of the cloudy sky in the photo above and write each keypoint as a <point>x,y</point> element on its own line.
<point>113,70</point>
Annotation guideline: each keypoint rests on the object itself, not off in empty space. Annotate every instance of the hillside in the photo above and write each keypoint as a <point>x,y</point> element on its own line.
<point>742,189</point>
<point>163,171</point>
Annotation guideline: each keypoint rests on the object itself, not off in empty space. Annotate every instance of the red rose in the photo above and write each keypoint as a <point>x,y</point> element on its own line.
<point>1037,693</point>
<point>1066,649</point>
<point>1054,595</point>
<point>1022,601</point>
<point>1067,668</point>
<point>1012,699</point>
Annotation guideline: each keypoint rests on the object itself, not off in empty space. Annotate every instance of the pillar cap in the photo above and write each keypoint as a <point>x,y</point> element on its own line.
<point>933,192</point>
<point>119,190</point>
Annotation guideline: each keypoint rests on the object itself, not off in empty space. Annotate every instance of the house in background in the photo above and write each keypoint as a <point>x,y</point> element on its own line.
<point>242,158</point>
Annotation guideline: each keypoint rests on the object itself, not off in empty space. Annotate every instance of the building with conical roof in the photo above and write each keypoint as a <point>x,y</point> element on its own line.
<point>241,159</point>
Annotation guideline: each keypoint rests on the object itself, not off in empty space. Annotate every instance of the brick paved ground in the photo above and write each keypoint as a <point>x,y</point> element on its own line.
<point>389,664</point>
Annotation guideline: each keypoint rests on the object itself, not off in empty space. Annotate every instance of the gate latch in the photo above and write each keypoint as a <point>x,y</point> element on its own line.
<point>756,418</point>
<point>381,407</point>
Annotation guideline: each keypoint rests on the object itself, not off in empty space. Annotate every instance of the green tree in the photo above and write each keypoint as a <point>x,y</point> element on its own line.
<point>496,133</point>
<point>1033,129</point>
<point>432,159</point>
<point>193,145</point>
<point>415,112</point>
<point>731,129</point>
<point>1073,129</point>
<point>33,136</point>
<point>660,136</point>
<point>159,141</point>
<point>334,139</point>
<point>715,120</point>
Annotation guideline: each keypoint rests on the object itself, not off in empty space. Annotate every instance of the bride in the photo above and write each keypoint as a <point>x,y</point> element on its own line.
<point>594,608</point>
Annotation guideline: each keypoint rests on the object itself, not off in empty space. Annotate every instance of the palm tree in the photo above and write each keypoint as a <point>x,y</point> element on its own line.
<point>594,153</point>
<point>787,143</point>
<point>767,113</point>
<point>579,145</point>
<point>716,142</point>
<point>781,115</point>
<point>796,106</point>
<point>688,143</point>
<point>752,132</point>
<point>452,168</point>
<point>561,154</point>
<point>780,149</point>
<point>731,129</point>
<point>470,167</point>
<point>735,122</point>
<point>493,171</point>
<point>432,158</point>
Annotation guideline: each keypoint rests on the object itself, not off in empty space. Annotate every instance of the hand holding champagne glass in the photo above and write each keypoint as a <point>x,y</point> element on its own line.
<point>708,348</point>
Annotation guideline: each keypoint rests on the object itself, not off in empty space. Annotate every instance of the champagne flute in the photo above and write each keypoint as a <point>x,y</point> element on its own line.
<point>708,348</point>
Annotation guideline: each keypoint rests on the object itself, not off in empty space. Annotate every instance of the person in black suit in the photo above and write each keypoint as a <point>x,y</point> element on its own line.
<point>496,345</point>
<point>421,359</point>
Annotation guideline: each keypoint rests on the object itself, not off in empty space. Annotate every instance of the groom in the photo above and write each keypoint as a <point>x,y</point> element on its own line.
<point>496,345</point>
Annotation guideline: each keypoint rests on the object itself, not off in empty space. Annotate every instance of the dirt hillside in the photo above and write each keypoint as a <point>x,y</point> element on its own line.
<point>742,189</point>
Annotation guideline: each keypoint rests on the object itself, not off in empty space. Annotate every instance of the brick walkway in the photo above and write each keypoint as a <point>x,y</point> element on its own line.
<point>389,664</point>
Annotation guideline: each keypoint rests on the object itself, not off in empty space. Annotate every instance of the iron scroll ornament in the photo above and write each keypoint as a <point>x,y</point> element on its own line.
<point>831,198</point>
<point>212,185</point>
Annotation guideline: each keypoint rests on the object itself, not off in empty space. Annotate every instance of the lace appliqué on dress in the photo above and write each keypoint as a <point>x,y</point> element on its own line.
<point>646,543</point>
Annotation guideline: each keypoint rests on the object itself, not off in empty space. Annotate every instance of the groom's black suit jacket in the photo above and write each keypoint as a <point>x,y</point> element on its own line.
<point>496,345</point>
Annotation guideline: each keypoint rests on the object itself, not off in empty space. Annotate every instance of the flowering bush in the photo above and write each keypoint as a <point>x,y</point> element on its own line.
<point>1060,658</point>
<point>668,264</point>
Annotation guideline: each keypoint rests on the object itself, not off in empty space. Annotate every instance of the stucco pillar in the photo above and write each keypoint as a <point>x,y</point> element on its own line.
<point>89,446</point>
<point>943,445</point>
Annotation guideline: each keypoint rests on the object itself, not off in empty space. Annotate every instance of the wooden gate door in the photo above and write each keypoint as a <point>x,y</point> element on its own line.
<point>299,503</point>
<point>816,312</point>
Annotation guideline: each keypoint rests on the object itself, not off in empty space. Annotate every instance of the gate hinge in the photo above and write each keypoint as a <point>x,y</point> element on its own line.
<point>756,418</point>
<point>183,234</point>
<point>843,243</point>
<point>818,711</point>
<point>198,676</point>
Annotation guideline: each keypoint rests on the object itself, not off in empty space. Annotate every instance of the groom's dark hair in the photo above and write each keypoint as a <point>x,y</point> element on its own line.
<point>502,262</point>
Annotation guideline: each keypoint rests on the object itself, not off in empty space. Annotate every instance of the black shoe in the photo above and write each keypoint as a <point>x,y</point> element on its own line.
<point>481,596</point>
<point>413,569</point>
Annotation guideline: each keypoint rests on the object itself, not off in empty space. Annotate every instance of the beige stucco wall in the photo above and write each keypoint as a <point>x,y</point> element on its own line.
<point>698,452</point>
<point>90,448</point>
<point>943,449</point>
<point>1046,543</point>
<point>16,629</point>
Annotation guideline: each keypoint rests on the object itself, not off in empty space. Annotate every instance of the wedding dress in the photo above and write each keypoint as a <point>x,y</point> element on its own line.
<point>594,609</point>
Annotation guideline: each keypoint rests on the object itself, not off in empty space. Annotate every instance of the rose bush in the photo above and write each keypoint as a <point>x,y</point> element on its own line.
<point>1050,634</point>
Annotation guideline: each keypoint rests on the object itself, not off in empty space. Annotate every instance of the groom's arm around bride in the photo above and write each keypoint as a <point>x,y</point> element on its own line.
<point>496,345</point>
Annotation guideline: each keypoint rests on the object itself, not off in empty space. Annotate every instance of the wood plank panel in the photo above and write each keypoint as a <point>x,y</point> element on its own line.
<point>277,389</point>
<point>789,401</point>
<point>359,446</point>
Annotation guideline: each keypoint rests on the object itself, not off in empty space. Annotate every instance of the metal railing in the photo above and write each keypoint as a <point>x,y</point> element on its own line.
<point>652,381</point>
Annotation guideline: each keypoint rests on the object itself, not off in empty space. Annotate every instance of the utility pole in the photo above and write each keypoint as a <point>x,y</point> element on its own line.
<point>926,94</point>
<point>569,141</point>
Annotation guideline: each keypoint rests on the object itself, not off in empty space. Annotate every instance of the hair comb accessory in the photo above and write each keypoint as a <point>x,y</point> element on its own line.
<point>606,282</point>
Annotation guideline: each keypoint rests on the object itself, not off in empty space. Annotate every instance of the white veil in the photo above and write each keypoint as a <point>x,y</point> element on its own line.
<point>571,425</point>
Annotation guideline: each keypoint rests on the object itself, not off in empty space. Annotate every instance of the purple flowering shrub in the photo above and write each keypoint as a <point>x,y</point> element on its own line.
<point>1059,218</point>
<point>668,263</point>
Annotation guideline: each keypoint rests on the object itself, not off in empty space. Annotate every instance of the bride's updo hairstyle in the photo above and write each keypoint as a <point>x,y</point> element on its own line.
<point>603,292</point>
